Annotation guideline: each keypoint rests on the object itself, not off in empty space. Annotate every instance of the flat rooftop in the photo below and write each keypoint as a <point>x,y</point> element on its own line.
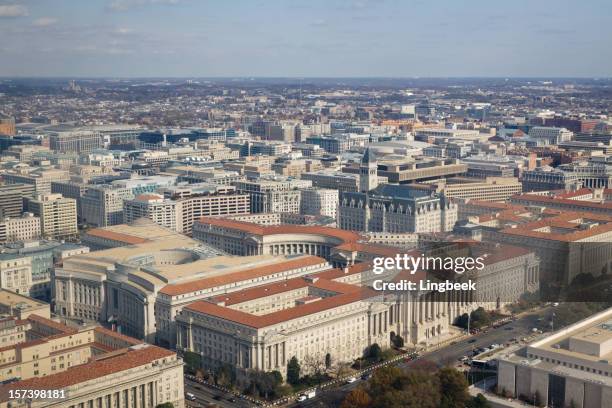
<point>589,340</point>
<point>11,299</point>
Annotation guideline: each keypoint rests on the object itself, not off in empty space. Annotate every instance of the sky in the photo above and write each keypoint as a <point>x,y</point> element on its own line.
<point>306,38</point>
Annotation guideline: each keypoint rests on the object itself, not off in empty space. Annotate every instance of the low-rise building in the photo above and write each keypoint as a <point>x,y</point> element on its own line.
<point>570,367</point>
<point>89,366</point>
<point>23,228</point>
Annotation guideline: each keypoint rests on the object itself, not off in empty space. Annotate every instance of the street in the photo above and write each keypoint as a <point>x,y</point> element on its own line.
<point>206,396</point>
<point>448,355</point>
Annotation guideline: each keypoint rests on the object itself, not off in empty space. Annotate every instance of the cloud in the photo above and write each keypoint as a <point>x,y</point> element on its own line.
<point>13,10</point>
<point>123,31</point>
<point>44,22</point>
<point>123,5</point>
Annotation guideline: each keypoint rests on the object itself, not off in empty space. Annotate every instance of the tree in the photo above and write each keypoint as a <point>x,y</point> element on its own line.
<point>374,352</point>
<point>342,369</point>
<point>454,388</point>
<point>479,318</point>
<point>293,371</point>
<point>398,341</point>
<point>263,384</point>
<point>391,387</point>
<point>314,364</point>
<point>328,361</point>
<point>358,398</point>
<point>225,376</point>
<point>462,321</point>
<point>478,401</point>
<point>165,405</point>
<point>193,361</point>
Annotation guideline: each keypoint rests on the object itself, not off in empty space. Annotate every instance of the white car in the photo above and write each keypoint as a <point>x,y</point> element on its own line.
<point>351,380</point>
<point>302,397</point>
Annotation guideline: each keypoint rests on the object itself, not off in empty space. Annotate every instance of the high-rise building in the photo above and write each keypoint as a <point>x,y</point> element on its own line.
<point>154,207</point>
<point>181,206</point>
<point>11,198</point>
<point>319,201</point>
<point>58,215</point>
<point>71,189</point>
<point>273,195</point>
<point>102,206</point>
<point>40,178</point>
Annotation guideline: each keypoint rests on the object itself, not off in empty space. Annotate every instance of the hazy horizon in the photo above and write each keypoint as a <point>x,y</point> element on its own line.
<point>305,39</point>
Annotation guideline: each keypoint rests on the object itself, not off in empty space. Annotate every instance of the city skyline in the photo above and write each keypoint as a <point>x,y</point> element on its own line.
<point>183,38</point>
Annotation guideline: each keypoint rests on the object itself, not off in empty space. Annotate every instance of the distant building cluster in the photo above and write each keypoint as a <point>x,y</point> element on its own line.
<point>240,223</point>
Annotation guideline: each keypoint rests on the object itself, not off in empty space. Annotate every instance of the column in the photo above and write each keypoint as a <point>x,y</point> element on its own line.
<point>276,355</point>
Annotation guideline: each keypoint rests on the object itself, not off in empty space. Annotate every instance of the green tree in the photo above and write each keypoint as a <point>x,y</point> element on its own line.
<point>479,318</point>
<point>462,321</point>
<point>293,371</point>
<point>374,352</point>
<point>225,376</point>
<point>398,341</point>
<point>454,388</point>
<point>478,401</point>
<point>193,361</point>
<point>263,384</point>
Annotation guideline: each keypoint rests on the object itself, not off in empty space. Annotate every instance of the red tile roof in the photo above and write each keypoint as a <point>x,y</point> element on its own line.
<point>119,336</point>
<point>90,371</point>
<point>342,235</point>
<point>543,200</point>
<point>280,316</point>
<point>574,233</point>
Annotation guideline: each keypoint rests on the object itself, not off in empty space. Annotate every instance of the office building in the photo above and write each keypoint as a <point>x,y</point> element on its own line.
<point>273,195</point>
<point>102,206</point>
<point>549,135</point>
<point>93,367</point>
<point>583,200</point>
<point>40,178</point>
<point>548,178</point>
<point>568,368</point>
<point>11,198</point>
<point>180,207</point>
<point>23,228</point>
<point>333,180</point>
<point>393,208</point>
<point>66,139</point>
<point>319,201</point>
<point>489,189</point>
<point>58,215</point>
